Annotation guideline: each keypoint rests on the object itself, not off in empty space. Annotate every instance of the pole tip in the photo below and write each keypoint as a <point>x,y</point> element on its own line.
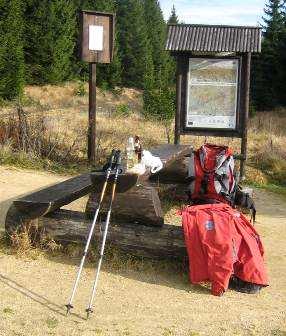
<point>69,307</point>
<point>89,311</point>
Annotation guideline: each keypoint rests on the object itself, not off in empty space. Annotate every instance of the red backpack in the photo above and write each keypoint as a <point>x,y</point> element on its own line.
<point>211,172</point>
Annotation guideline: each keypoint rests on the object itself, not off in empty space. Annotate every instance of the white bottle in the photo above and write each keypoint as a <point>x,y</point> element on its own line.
<point>130,152</point>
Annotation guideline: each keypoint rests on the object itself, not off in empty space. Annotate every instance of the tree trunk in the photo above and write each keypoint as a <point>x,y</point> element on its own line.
<point>144,241</point>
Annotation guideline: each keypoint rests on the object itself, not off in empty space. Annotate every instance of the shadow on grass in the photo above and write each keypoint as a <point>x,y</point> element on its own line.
<point>35,297</point>
<point>168,273</point>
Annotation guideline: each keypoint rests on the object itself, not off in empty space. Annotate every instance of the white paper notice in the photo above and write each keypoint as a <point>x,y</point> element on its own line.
<point>96,38</point>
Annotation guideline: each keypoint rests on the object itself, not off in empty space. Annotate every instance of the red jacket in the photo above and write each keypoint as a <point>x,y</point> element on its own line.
<point>220,242</point>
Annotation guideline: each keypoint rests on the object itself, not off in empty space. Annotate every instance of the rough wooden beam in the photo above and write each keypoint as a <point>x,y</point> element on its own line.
<point>139,205</point>
<point>169,153</point>
<point>48,199</point>
<point>146,241</point>
<point>175,173</point>
<point>17,221</point>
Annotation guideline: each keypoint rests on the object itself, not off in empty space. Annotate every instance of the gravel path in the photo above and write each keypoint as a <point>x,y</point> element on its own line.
<point>144,299</point>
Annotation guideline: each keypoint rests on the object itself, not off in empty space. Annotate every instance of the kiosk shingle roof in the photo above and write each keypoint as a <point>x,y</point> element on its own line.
<point>210,38</point>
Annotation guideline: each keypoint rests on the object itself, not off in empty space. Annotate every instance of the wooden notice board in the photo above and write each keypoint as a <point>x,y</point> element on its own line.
<point>97,36</point>
<point>97,31</point>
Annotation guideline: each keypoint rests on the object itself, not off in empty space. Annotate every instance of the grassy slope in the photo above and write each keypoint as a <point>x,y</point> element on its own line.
<point>57,124</point>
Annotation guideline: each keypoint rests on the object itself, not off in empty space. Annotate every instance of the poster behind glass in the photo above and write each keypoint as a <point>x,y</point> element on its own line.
<point>212,93</point>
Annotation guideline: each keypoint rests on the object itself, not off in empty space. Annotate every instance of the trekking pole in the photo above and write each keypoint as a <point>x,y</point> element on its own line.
<point>118,169</point>
<point>108,172</point>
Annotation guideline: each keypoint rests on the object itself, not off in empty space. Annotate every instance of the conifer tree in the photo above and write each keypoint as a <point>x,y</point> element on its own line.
<point>50,40</point>
<point>11,49</point>
<point>158,95</point>
<point>274,20</point>
<point>267,68</point>
<point>282,61</point>
<point>156,31</point>
<point>134,45</point>
<point>173,19</point>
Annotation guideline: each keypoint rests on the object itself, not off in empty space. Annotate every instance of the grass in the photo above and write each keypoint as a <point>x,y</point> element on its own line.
<point>8,310</point>
<point>52,322</point>
<point>54,121</point>
<point>278,189</point>
<point>116,261</point>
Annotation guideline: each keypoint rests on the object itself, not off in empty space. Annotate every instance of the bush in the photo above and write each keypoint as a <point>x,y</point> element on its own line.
<point>80,90</point>
<point>160,105</point>
<point>123,110</point>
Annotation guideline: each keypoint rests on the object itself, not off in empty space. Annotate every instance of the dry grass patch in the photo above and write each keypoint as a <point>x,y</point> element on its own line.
<point>57,120</point>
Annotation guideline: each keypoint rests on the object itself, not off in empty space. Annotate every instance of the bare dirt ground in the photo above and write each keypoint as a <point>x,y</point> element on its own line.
<point>143,299</point>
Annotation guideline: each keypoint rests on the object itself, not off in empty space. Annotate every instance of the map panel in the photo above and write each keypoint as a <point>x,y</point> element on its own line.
<point>212,93</point>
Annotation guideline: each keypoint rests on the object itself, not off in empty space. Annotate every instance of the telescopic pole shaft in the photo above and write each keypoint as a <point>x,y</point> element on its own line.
<point>101,254</point>
<point>69,305</point>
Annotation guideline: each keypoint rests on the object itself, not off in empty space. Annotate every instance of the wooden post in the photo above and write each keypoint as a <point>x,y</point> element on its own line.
<point>92,114</point>
<point>246,69</point>
<point>178,101</point>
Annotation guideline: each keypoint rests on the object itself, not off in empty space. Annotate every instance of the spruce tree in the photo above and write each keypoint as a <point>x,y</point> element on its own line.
<point>156,31</point>
<point>267,68</point>
<point>50,40</point>
<point>159,87</point>
<point>134,45</point>
<point>282,60</point>
<point>12,66</point>
<point>173,19</point>
<point>274,20</point>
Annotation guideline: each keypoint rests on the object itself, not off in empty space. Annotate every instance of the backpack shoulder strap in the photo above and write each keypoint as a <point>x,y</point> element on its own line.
<point>244,200</point>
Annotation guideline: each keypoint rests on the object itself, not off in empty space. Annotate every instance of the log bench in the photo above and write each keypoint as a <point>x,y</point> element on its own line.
<point>137,202</point>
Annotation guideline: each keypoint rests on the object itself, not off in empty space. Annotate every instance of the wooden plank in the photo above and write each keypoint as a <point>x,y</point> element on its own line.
<point>48,199</point>
<point>175,163</point>
<point>140,205</point>
<point>169,153</point>
<point>54,197</point>
<point>125,181</point>
<point>107,20</point>
<point>144,206</point>
<point>140,240</point>
<point>175,173</point>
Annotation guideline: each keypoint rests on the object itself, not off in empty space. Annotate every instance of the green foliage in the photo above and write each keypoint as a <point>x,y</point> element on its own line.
<point>48,33</point>
<point>156,32</point>
<point>8,310</point>
<point>159,95</point>
<point>123,110</point>
<point>159,104</point>
<point>80,90</point>
<point>50,40</point>
<point>269,69</point>
<point>12,67</point>
<point>52,322</point>
<point>173,19</point>
<point>133,42</point>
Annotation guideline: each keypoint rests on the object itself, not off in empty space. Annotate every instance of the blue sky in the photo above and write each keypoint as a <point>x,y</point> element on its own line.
<point>230,12</point>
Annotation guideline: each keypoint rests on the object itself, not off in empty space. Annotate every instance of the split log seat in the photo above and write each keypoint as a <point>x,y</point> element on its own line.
<point>47,200</point>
